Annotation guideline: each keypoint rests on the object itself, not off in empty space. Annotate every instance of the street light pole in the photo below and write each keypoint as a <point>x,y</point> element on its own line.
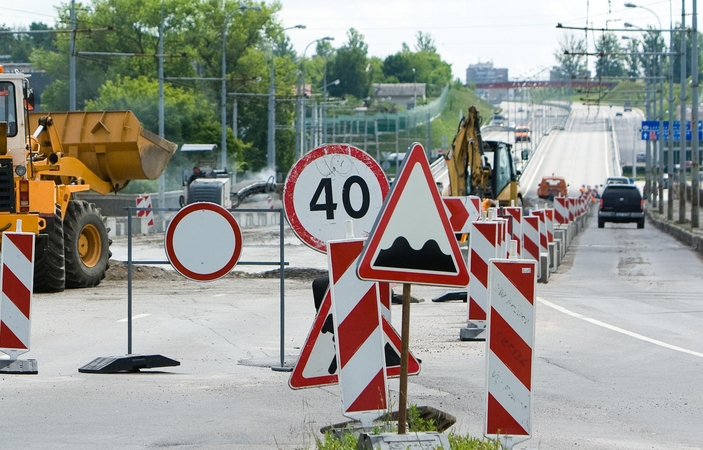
<point>695,158</point>
<point>683,144</point>
<point>223,90</point>
<point>303,112</point>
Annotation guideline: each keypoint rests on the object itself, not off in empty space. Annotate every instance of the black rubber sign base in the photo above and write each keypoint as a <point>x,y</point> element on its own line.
<point>127,363</point>
<point>19,366</point>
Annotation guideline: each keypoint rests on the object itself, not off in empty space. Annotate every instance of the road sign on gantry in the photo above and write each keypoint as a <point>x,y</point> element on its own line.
<point>203,241</point>
<point>412,240</point>
<point>329,186</point>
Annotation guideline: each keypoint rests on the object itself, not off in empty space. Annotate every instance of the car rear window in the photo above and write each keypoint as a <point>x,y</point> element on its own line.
<point>614,191</point>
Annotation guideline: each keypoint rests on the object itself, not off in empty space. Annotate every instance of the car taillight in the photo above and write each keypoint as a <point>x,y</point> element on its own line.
<point>600,204</point>
<point>642,204</point>
<point>24,196</point>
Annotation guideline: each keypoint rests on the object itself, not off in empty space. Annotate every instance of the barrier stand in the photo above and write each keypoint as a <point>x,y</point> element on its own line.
<point>17,282</point>
<point>133,363</point>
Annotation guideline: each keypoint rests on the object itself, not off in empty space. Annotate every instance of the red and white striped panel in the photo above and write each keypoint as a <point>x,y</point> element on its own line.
<point>572,209</point>
<point>530,239</point>
<point>503,237</point>
<point>561,210</point>
<point>543,239</point>
<point>385,296</point>
<point>462,211</point>
<point>17,283</point>
<point>144,201</point>
<point>515,214</point>
<point>549,221</point>
<point>510,342</point>
<point>483,245</point>
<point>358,333</point>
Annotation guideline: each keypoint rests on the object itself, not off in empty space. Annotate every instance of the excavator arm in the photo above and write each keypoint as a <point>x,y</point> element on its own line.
<point>468,173</point>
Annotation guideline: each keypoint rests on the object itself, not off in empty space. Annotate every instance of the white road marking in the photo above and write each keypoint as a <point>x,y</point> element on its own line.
<point>138,316</point>
<point>618,329</point>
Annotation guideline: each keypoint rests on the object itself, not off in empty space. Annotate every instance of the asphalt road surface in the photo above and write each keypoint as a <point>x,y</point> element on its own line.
<point>618,353</point>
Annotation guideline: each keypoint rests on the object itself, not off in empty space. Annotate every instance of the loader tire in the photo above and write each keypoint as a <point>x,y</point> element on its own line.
<point>87,247</point>
<point>49,266</point>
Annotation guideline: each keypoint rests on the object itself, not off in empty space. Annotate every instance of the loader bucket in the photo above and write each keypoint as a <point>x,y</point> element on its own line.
<point>112,144</point>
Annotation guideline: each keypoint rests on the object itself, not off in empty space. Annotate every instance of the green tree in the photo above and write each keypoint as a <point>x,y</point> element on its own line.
<point>571,57</point>
<point>349,65</point>
<point>610,62</point>
<point>189,115</point>
<point>652,42</point>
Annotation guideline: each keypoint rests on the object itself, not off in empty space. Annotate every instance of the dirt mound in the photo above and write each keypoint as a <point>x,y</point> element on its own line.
<point>118,272</point>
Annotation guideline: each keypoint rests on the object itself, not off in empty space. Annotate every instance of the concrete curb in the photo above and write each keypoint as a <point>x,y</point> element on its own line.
<point>686,237</point>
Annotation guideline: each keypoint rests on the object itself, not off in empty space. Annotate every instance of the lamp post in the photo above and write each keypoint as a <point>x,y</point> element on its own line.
<point>657,162</point>
<point>223,91</point>
<point>302,122</point>
<point>324,107</point>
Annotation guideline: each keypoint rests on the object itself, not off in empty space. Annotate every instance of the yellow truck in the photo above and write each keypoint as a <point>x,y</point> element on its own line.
<point>45,158</point>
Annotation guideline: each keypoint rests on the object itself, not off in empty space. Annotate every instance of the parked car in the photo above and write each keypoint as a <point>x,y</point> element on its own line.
<point>642,157</point>
<point>523,134</point>
<point>551,187</point>
<point>621,203</point>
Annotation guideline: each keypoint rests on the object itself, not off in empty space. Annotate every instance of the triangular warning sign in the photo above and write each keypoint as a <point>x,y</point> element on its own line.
<point>412,240</point>
<point>317,364</point>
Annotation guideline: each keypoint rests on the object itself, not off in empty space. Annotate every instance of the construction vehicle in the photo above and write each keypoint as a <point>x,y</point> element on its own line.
<point>45,158</point>
<point>215,185</point>
<point>482,168</point>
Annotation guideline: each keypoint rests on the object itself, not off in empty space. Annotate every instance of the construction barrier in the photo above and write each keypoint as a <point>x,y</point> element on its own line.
<point>510,342</point>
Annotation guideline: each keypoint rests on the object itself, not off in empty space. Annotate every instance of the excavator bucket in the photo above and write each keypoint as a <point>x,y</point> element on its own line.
<point>112,144</point>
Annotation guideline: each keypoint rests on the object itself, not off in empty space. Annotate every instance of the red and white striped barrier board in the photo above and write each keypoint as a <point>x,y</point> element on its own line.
<point>543,239</point>
<point>515,214</point>
<point>17,284</point>
<point>530,238</point>
<point>462,211</point>
<point>549,221</point>
<point>510,342</point>
<point>504,235</point>
<point>385,296</point>
<point>144,201</point>
<point>561,210</point>
<point>572,209</point>
<point>358,334</point>
<point>483,245</point>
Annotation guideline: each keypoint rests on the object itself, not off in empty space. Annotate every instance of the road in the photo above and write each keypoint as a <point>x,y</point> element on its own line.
<point>618,353</point>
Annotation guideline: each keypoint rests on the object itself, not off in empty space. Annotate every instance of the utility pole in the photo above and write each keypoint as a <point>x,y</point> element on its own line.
<point>162,177</point>
<point>72,61</point>
<point>271,147</point>
<point>683,143</point>
<point>223,92</point>
<point>695,158</point>
<point>670,159</point>
<point>660,156</point>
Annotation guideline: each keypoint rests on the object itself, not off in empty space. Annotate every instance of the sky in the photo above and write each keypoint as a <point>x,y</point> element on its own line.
<point>518,34</point>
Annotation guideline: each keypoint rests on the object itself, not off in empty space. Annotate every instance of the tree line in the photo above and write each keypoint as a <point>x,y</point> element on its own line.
<point>193,30</point>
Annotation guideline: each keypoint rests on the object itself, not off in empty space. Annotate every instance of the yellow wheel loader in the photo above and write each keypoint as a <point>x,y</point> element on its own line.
<point>47,157</point>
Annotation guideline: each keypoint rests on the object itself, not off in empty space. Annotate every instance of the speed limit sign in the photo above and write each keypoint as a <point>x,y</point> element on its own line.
<point>330,185</point>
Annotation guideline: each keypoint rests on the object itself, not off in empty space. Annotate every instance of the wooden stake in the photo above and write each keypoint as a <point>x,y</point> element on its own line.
<point>405,345</point>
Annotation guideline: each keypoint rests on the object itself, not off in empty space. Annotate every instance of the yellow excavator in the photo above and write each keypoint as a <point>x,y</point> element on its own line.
<point>482,168</point>
<point>45,158</point>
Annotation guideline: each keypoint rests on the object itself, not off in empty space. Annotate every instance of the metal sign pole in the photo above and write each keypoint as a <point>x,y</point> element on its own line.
<point>129,281</point>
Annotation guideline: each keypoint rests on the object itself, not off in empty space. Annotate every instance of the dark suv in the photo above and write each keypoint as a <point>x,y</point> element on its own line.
<point>621,203</point>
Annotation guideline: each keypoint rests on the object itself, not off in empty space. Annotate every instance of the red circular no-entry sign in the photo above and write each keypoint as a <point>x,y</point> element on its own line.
<point>203,241</point>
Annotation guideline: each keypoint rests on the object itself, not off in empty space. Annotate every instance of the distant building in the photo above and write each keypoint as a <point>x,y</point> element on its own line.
<point>485,73</point>
<point>401,94</point>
